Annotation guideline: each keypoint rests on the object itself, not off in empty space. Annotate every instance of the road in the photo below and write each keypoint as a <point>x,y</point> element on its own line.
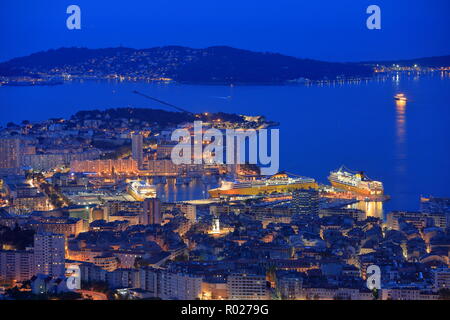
<point>92,295</point>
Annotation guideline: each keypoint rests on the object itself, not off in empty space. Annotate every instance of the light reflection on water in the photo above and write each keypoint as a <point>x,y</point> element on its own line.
<point>321,127</point>
<point>401,154</point>
<point>194,190</point>
<point>371,208</point>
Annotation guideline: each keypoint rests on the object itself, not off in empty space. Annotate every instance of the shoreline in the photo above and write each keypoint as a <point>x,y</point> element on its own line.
<point>59,80</point>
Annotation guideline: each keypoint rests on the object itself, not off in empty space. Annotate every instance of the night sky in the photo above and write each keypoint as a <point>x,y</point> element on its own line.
<point>319,29</point>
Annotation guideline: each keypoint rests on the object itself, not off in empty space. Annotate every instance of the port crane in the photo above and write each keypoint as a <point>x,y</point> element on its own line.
<point>162,102</point>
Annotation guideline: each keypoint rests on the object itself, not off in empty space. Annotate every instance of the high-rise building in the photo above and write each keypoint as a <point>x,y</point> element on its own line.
<point>49,253</point>
<point>305,201</point>
<point>151,212</point>
<point>137,149</point>
<point>9,153</point>
<point>16,265</point>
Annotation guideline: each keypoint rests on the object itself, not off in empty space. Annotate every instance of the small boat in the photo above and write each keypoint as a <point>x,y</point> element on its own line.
<point>400,97</point>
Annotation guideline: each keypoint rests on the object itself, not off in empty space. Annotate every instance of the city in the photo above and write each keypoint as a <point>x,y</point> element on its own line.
<point>83,192</point>
<point>201,172</point>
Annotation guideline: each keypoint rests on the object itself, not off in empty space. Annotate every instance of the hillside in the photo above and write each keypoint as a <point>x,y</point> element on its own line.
<point>210,65</point>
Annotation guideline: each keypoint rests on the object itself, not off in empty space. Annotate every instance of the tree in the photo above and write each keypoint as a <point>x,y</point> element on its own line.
<point>375,294</point>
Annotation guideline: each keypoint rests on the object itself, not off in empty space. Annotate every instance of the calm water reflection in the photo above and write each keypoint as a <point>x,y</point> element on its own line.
<point>360,125</point>
<point>195,190</point>
<point>371,208</point>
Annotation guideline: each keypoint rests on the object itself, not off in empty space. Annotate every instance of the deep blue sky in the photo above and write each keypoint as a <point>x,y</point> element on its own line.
<point>320,29</point>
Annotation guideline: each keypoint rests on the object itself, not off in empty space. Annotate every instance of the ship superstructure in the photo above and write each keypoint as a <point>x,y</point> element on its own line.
<point>356,182</point>
<point>278,183</point>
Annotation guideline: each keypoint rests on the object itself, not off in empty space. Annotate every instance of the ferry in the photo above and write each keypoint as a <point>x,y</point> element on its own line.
<point>278,183</point>
<point>400,97</point>
<point>355,182</point>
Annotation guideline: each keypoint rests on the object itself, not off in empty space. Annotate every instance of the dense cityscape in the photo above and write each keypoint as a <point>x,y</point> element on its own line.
<point>224,159</point>
<point>83,193</point>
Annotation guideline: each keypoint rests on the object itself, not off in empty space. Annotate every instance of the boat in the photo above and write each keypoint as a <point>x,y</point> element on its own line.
<point>278,183</point>
<point>141,190</point>
<point>400,97</point>
<point>355,182</point>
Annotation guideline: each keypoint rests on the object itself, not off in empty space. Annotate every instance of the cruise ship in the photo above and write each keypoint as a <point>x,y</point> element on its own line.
<point>356,182</point>
<point>278,183</point>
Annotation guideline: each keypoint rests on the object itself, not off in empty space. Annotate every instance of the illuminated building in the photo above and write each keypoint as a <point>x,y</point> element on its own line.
<point>216,226</point>
<point>319,293</point>
<point>113,207</point>
<point>49,254</point>
<point>96,214</point>
<point>9,154</point>
<point>151,212</point>
<point>38,202</point>
<point>290,286</point>
<point>217,230</point>
<point>189,210</point>
<point>105,167</point>
<point>165,284</point>
<point>441,278</point>
<point>255,211</point>
<point>107,262</point>
<point>305,201</point>
<point>214,290</point>
<point>25,198</point>
<point>407,293</point>
<point>21,190</point>
<point>16,265</point>
<point>137,149</point>
<point>83,254</point>
<point>129,217</point>
<point>49,161</point>
<point>164,150</point>
<point>247,287</point>
<point>160,168</point>
<point>123,278</point>
<point>58,225</point>
<point>418,219</point>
